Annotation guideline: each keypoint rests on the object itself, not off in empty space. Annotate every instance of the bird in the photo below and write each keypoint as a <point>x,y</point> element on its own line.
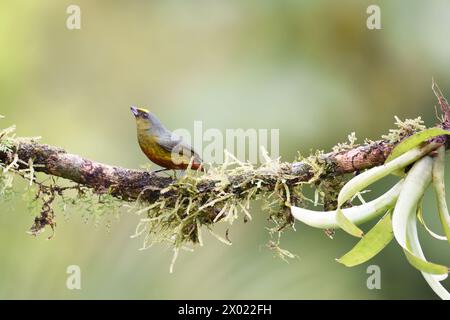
<point>162,146</point>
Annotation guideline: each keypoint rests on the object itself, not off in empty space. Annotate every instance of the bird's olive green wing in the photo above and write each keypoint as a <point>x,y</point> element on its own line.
<point>174,143</point>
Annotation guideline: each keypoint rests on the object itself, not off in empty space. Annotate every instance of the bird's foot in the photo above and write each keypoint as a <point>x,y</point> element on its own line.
<point>159,170</point>
<point>174,172</point>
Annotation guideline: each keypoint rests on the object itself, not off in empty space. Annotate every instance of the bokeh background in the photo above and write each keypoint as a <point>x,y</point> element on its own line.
<point>309,68</point>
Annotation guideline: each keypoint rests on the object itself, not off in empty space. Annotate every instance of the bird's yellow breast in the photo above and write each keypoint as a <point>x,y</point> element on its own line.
<point>148,131</point>
<point>151,148</point>
<point>148,142</point>
<point>159,155</point>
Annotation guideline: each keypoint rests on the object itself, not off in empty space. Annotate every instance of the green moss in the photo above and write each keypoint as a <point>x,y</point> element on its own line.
<point>187,208</point>
<point>346,145</point>
<point>404,128</point>
<point>6,174</point>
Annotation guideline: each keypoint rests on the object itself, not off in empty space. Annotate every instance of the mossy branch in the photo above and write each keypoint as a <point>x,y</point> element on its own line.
<point>174,210</point>
<point>130,184</point>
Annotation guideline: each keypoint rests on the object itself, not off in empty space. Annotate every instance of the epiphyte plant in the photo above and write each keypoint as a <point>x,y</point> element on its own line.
<point>400,207</point>
<point>175,211</point>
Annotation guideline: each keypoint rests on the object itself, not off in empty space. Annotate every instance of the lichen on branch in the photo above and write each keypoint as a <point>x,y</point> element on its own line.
<point>176,210</point>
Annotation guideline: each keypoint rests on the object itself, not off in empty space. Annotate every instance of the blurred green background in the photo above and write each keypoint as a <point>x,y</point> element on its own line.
<point>310,68</point>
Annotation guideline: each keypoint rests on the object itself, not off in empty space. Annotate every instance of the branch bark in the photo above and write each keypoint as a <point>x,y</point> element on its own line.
<point>129,184</point>
<point>179,208</point>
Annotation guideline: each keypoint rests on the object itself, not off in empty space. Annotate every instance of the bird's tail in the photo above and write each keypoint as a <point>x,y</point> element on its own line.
<point>198,167</point>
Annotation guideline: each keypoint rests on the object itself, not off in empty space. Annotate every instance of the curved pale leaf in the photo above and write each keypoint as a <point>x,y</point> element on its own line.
<point>422,221</point>
<point>371,244</point>
<point>416,249</point>
<point>347,225</point>
<point>414,141</point>
<point>425,266</point>
<point>370,176</point>
<point>439,188</point>
<point>416,182</point>
<point>364,179</point>
<point>357,214</point>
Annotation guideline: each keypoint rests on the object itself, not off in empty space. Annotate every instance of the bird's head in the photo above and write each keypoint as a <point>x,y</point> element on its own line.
<point>140,113</point>
<point>143,118</point>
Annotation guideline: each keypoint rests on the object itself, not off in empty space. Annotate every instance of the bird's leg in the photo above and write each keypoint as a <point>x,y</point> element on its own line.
<point>174,172</point>
<point>160,170</point>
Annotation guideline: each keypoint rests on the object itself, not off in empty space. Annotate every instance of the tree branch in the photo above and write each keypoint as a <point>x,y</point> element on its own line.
<point>175,209</point>
<point>123,183</point>
<point>129,184</point>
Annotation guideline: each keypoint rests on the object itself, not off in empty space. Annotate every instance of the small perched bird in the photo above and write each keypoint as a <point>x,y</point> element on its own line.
<point>161,146</point>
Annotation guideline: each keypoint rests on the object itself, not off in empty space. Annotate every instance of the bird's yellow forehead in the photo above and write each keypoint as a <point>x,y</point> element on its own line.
<point>143,110</point>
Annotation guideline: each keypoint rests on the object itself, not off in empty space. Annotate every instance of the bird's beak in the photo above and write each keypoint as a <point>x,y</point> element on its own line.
<point>135,111</point>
